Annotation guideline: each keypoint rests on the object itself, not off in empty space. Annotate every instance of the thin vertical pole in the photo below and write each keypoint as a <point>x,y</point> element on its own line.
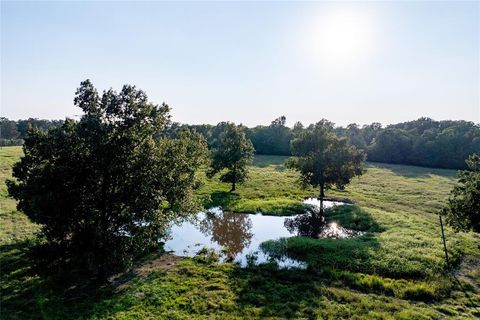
<point>444,243</point>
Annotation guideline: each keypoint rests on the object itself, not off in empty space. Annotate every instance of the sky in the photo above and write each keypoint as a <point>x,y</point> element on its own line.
<point>247,62</point>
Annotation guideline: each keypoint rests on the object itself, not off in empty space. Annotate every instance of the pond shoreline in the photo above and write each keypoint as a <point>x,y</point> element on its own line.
<point>238,237</point>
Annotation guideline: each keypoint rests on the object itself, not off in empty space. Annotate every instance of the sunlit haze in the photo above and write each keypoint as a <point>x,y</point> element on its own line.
<point>342,36</point>
<point>247,62</point>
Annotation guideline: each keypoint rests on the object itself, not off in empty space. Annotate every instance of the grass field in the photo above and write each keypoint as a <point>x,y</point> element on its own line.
<point>395,271</point>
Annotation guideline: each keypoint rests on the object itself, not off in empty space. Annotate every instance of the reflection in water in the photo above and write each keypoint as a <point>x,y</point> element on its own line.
<point>315,202</point>
<point>243,236</point>
<point>240,234</point>
<point>309,224</point>
<point>230,230</point>
<point>314,225</point>
<point>333,230</point>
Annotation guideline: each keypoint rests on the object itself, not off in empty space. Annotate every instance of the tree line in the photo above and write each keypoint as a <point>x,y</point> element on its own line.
<point>423,142</point>
<point>13,133</point>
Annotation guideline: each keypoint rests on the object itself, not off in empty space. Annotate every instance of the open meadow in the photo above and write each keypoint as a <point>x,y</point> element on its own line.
<point>396,270</point>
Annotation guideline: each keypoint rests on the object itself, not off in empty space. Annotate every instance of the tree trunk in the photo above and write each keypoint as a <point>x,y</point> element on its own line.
<point>322,195</point>
<point>234,177</point>
<point>103,228</point>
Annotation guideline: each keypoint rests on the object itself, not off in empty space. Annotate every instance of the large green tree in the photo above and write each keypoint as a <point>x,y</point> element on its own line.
<point>463,209</point>
<point>324,160</point>
<point>233,151</point>
<point>105,188</point>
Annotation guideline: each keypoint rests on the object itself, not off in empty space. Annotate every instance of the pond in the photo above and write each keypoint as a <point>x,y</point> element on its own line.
<point>239,235</point>
<point>326,204</point>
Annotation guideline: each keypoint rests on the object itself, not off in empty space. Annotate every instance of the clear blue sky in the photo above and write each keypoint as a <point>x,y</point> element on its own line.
<point>248,62</point>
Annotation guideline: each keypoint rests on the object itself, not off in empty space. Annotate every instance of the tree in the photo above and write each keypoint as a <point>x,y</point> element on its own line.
<point>297,128</point>
<point>370,132</point>
<point>104,189</point>
<point>324,160</point>
<point>355,137</point>
<point>272,139</point>
<point>463,209</point>
<point>392,146</point>
<point>233,151</point>
<point>216,133</point>
<point>8,129</point>
<point>279,137</point>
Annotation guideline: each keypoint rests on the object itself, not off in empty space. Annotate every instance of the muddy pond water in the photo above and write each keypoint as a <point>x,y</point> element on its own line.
<point>238,236</point>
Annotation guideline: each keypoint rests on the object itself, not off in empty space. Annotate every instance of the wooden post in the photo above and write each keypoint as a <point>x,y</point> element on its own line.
<point>443,238</point>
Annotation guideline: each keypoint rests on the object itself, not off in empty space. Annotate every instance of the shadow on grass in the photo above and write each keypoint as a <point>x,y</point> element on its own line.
<point>222,199</point>
<point>263,161</point>
<point>353,217</point>
<point>277,293</point>
<point>28,295</point>
<point>415,171</point>
<point>473,304</point>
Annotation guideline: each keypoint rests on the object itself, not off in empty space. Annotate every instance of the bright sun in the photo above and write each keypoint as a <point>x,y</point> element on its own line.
<point>342,37</point>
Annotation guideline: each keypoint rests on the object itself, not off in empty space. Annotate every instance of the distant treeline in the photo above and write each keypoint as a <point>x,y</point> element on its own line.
<point>13,132</point>
<point>422,142</point>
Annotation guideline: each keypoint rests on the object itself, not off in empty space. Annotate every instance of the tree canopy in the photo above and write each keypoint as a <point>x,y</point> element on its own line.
<point>463,209</point>
<point>232,151</point>
<point>323,159</point>
<point>272,139</point>
<point>8,129</point>
<point>104,189</point>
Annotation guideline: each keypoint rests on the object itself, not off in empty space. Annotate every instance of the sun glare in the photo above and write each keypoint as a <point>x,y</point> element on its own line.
<point>342,37</point>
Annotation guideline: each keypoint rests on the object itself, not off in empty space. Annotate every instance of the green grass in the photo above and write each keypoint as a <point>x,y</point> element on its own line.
<point>270,189</point>
<point>14,225</point>
<point>274,190</point>
<point>395,271</point>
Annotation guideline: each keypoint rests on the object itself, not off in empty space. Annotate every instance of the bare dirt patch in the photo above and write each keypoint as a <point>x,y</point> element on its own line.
<point>163,262</point>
